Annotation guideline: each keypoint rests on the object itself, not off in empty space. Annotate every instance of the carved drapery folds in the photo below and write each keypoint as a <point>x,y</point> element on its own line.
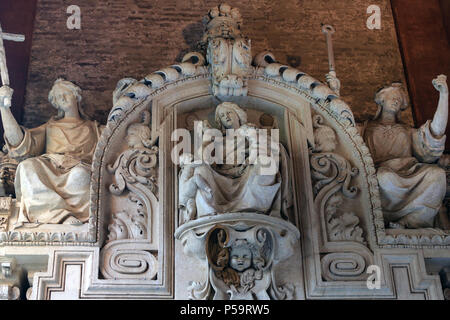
<point>234,217</point>
<point>129,252</point>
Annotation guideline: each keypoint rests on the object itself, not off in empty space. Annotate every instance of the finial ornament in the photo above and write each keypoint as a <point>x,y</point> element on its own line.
<point>228,51</point>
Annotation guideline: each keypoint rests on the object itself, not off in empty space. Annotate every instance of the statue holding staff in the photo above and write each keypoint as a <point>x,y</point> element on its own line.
<point>52,184</point>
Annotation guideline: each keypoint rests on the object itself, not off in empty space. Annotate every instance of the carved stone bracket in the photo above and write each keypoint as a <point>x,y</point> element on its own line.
<point>242,250</point>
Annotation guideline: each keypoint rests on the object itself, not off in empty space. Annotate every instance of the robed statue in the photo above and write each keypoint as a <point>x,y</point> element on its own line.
<point>53,176</point>
<point>412,186</point>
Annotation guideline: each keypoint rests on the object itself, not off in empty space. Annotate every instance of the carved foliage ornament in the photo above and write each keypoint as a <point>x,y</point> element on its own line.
<point>128,252</point>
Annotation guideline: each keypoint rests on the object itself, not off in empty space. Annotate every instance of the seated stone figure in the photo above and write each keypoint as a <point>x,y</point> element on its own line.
<point>189,184</point>
<point>52,183</point>
<point>239,187</point>
<point>412,186</point>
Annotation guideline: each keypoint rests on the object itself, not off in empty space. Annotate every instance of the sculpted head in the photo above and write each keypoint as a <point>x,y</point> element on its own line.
<point>230,116</point>
<point>325,139</point>
<point>65,96</point>
<point>392,99</point>
<point>139,134</point>
<point>240,256</point>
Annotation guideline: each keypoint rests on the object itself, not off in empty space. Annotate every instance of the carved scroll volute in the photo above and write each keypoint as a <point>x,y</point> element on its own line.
<point>341,238</point>
<point>130,252</point>
<point>241,261</point>
<point>216,243</point>
<point>330,172</point>
<point>218,257</point>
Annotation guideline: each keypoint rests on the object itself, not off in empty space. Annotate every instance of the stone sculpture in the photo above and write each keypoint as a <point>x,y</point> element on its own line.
<point>412,186</point>
<point>238,187</point>
<point>228,52</point>
<point>242,259</point>
<point>133,247</point>
<point>130,230</point>
<point>189,184</point>
<point>52,179</point>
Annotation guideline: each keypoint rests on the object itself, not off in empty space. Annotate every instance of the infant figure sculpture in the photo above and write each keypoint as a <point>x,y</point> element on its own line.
<point>52,183</point>
<point>412,186</point>
<point>190,183</point>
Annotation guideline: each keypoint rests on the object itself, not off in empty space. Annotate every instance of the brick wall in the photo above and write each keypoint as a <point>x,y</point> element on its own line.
<point>120,38</point>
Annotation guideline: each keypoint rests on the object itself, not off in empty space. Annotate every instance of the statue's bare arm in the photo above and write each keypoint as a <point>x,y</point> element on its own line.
<point>13,132</point>
<point>439,123</point>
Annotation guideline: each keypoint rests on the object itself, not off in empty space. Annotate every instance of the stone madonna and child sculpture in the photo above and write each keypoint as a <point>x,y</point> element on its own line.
<point>53,176</point>
<point>218,188</point>
<point>412,186</point>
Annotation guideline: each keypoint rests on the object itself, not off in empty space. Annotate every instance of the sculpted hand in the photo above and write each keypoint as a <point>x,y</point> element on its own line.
<point>333,81</point>
<point>440,83</point>
<point>5,96</point>
<point>209,193</point>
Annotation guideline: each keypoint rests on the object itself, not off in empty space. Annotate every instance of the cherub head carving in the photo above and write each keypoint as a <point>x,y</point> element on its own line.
<point>241,255</point>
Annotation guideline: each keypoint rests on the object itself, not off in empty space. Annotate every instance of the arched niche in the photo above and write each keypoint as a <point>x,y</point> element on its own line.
<point>293,106</point>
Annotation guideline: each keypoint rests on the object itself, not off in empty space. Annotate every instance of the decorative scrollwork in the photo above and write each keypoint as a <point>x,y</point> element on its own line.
<point>331,170</point>
<point>240,265</point>
<point>135,166</point>
<point>129,225</point>
<point>341,227</point>
<point>342,237</point>
<point>199,290</point>
<point>128,260</point>
<point>327,167</point>
<point>343,266</point>
<point>129,252</point>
